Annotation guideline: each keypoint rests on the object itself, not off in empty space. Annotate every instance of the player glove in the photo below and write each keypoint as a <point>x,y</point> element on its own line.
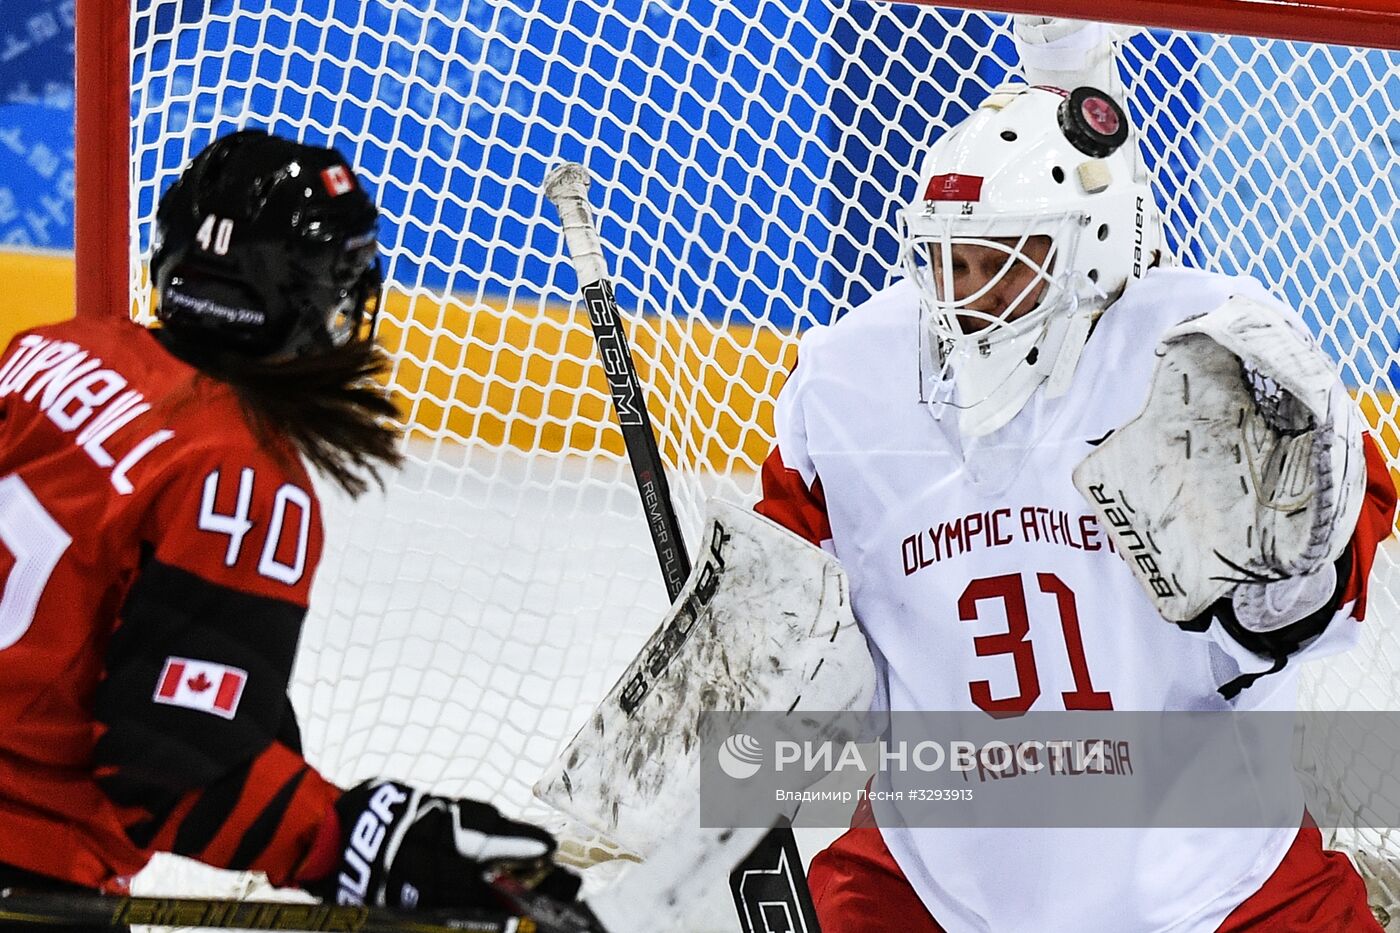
<point>1242,477</point>
<point>403,848</point>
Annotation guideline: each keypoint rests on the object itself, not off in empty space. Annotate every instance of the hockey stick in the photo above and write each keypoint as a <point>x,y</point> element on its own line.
<point>566,187</point>
<point>82,909</point>
<point>771,875</point>
<point>533,913</point>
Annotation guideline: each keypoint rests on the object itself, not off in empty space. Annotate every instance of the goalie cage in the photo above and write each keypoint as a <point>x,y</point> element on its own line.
<point>749,160</point>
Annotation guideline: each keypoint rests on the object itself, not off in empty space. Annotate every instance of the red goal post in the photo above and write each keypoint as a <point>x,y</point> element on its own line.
<point>102,155</point>
<point>1374,23</point>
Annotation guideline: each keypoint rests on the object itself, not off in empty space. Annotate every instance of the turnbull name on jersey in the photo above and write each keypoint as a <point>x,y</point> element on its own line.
<point>83,398</point>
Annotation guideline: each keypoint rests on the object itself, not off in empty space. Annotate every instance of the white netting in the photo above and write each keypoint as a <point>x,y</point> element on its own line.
<point>749,157</point>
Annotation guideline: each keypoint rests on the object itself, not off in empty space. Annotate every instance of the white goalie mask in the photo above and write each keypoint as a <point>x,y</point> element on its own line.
<point>1031,219</point>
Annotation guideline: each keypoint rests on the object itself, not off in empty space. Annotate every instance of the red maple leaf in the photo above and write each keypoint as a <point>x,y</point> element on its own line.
<point>199,683</point>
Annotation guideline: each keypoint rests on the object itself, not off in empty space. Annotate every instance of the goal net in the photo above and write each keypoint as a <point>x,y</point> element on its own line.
<point>749,158</point>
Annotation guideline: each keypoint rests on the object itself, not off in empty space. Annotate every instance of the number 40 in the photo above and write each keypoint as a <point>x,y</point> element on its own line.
<point>237,524</point>
<point>215,234</point>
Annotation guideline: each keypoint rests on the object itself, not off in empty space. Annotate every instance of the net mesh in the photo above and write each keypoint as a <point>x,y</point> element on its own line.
<point>748,157</point>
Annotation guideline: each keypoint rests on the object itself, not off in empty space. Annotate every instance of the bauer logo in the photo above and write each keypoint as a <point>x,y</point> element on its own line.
<point>740,756</point>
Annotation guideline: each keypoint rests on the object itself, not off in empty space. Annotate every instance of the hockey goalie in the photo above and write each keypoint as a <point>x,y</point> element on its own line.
<point>1064,474</point>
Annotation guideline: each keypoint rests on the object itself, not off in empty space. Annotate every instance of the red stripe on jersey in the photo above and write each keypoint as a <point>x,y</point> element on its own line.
<point>1375,524</point>
<point>296,825</point>
<point>170,682</point>
<point>788,501</point>
<point>1312,889</point>
<point>858,887</point>
<point>324,855</point>
<point>297,845</point>
<point>164,839</point>
<point>272,769</point>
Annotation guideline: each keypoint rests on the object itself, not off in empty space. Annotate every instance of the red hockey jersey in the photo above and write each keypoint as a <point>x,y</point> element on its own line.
<point>155,558</point>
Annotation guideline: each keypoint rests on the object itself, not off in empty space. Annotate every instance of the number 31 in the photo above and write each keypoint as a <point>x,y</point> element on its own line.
<point>1015,641</point>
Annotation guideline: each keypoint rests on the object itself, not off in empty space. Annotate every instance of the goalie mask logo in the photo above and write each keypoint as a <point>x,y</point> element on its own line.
<point>954,187</point>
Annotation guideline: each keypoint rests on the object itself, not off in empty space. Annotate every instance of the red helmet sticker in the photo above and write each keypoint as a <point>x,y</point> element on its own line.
<point>1100,115</point>
<point>338,180</point>
<point>953,187</point>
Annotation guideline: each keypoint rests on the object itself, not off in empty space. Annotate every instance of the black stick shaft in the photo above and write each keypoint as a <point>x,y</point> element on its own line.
<point>776,854</point>
<point>637,434</point>
<point>567,188</point>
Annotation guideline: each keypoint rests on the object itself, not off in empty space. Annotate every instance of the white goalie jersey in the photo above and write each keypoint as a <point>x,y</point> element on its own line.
<point>983,580</point>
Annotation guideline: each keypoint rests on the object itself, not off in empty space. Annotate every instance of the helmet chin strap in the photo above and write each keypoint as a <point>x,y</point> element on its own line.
<point>1086,303</point>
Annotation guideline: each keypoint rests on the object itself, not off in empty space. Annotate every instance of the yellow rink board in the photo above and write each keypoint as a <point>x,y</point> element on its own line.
<point>532,381</point>
<point>528,378</point>
<point>38,290</point>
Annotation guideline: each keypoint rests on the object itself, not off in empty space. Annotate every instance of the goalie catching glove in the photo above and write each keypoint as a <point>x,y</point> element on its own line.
<point>1243,477</point>
<point>402,848</point>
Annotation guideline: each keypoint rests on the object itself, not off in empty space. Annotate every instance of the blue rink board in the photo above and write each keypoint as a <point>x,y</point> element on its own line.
<point>824,209</point>
<point>36,124</point>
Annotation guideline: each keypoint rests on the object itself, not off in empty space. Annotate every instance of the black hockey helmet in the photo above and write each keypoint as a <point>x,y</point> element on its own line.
<point>266,246</point>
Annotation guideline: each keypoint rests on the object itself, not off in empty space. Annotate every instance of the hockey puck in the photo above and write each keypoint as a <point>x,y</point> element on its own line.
<point>1093,122</point>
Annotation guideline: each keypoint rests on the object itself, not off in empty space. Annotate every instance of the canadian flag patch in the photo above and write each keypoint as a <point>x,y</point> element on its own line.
<point>202,685</point>
<point>338,180</point>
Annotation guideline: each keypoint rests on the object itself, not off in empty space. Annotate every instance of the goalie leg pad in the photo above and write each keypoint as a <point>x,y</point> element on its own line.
<point>764,623</point>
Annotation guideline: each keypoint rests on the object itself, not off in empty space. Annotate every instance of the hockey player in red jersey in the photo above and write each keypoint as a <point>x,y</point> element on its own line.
<point>1033,357</point>
<point>158,538</point>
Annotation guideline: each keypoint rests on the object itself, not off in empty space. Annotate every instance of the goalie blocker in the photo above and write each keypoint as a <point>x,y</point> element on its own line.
<point>1234,494</point>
